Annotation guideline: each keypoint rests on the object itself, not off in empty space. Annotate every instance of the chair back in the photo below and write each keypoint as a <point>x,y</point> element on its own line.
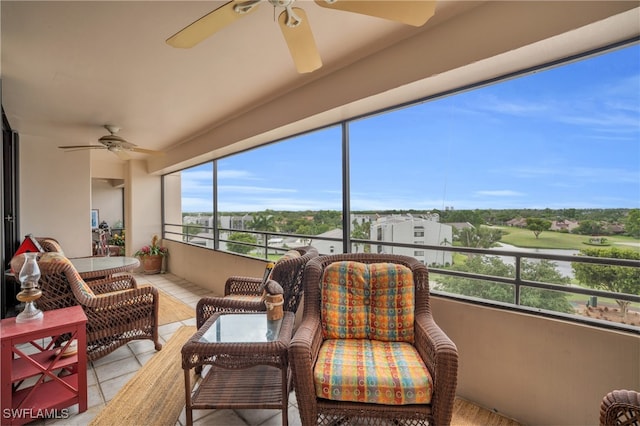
<point>289,272</point>
<point>49,244</point>
<point>56,274</point>
<point>372,301</point>
<point>620,407</point>
<point>320,268</point>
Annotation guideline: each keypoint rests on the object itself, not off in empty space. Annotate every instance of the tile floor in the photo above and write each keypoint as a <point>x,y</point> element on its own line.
<point>107,375</point>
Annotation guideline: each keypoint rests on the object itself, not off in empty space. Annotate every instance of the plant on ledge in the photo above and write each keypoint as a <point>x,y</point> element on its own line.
<point>152,256</point>
<point>118,240</point>
<point>153,250</point>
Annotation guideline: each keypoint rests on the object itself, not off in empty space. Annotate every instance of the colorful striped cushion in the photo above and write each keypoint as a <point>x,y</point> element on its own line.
<point>361,370</point>
<point>367,301</point>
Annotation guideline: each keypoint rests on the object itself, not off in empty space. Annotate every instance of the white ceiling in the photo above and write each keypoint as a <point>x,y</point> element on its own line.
<point>70,67</point>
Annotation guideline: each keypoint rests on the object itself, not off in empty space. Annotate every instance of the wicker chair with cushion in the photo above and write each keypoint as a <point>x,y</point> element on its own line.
<point>367,350</point>
<point>244,294</point>
<point>118,311</point>
<point>620,408</point>
<point>49,244</point>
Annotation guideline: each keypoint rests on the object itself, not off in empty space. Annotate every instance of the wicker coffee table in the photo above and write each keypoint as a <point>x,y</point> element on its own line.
<point>249,364</point>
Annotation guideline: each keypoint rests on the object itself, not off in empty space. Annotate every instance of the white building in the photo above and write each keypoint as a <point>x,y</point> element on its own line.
<point>328,247</point>
<point>426,230</point>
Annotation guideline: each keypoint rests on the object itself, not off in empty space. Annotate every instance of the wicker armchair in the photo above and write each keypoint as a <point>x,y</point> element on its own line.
<point>361,307</point>
<point>244,294</point>
<point>118,311</point>
<point>49,244</point>
<point>620,408</point>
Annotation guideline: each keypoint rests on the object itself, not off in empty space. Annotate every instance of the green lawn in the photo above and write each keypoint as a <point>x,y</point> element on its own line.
<point>560,240</point>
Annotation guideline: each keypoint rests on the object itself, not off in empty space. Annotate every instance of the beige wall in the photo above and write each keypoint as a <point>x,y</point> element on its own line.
<point>55,195</point>
<point>142,206</point>
<point>536,370</point>
<point>207,268</point>
<point>173,192</point>
<point>108,200</point>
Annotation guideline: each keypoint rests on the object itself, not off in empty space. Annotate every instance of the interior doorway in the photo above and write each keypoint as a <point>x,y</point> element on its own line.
<point>107,210</point>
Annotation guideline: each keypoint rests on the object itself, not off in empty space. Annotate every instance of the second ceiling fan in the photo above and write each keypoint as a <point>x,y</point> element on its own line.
<point>295,25</point>
<point>113,143</point>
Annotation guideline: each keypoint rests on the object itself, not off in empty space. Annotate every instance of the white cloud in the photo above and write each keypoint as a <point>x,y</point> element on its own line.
<point>245,189</point>
<point>236,174</point>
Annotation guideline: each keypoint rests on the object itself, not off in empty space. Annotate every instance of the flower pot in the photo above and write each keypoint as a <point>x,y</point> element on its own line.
<point>152,264</point>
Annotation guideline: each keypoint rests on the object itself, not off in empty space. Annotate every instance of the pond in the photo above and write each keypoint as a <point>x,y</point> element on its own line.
<point>564,268</point>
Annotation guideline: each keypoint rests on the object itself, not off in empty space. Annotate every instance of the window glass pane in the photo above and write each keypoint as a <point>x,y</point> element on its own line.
<point>188,205</point>
<point>292,187</point>
<point>545,163</point>
<point>475,288</point>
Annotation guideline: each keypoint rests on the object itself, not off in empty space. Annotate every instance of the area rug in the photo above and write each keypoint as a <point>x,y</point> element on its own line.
<point>173,310</point>
<point>155,395</point>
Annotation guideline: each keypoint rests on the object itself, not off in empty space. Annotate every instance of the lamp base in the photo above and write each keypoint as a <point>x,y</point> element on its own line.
<point>30,313</point>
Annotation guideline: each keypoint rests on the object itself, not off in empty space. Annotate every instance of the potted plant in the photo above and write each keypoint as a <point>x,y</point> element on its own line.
<point>152,256</point>
<point>118,240</point>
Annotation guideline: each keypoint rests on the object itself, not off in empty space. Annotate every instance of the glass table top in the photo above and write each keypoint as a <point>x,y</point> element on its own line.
<point>97,263</point>
<point>239,328</point>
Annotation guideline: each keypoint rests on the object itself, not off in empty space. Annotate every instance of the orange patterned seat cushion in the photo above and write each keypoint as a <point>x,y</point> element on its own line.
<point>371,371</point>
<point>367,301</point>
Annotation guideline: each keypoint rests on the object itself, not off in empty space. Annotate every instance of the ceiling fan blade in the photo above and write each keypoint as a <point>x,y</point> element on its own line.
<point>122,154</point>
<point>83,147</point>
<point>302,45</point>
<point>145,151</point>
<point>410,12</point>
<point>206,26</point>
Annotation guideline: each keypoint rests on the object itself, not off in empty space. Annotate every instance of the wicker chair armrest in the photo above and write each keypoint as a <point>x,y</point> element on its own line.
<point>207,306</point>
<point>126,298</point>
<point>113,283</point>
<point>243,285</point>
<point>620,407</point>
<point>303,353</point>
<point>118,312</point>
<point>440,355</point>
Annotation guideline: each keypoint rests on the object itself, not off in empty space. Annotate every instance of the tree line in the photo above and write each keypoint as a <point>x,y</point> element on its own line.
<point>314,222</point>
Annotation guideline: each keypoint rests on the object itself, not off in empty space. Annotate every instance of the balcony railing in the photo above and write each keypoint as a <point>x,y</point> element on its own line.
<point>264,249</point>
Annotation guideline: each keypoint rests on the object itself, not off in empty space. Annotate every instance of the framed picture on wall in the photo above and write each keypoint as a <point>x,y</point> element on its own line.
<point>95,218</point>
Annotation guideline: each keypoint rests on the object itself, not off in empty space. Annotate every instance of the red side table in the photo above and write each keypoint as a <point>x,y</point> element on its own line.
<point>57,376</point>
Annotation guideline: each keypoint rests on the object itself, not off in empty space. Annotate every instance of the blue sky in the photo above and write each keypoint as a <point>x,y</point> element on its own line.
<point>564,138</point>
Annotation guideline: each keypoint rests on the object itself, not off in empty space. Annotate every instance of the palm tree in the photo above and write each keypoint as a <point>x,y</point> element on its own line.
<point>263,222</point>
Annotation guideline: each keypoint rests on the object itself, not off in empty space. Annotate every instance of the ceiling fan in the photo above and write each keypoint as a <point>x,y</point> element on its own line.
<point>113,143</point>
<point>295,25</point>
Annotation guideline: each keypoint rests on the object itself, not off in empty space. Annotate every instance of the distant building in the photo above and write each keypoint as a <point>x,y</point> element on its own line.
<point>203,239</point>
<point>563,225</point>
<point>519,222</point>
<point>236,222</point>
<point>328,247</point>
<point>425,229</point>
<point>460,225</point>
